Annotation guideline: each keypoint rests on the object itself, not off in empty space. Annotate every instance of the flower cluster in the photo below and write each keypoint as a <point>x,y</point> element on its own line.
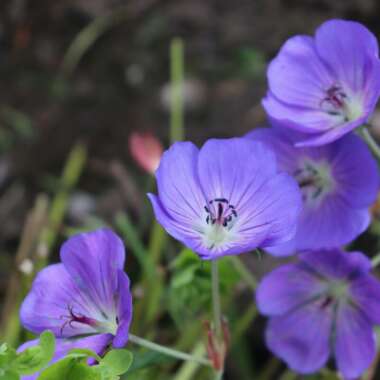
<point>301,187</point>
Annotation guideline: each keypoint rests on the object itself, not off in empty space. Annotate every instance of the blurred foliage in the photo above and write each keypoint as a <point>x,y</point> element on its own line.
<point>190,286</point>
<point>31,360</point>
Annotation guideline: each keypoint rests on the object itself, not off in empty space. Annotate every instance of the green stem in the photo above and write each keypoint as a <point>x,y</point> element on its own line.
<point>188,369</point>
<point>216,298</point>
<point>371,142</point>
<point>216,308</point>
<point>167,351</point>
<point>176,74</point>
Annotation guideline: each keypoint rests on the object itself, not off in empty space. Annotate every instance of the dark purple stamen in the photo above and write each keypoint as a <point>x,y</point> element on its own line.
<point>78,318</point>
<point>220,212</point>
<point>334,102</point>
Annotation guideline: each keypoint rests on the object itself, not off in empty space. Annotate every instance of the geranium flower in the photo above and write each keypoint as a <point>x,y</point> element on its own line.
<point>226,198</point>
<point>325,304</point>
<point>85,301</point>
<point>339,182</point>
<point>327,85</point>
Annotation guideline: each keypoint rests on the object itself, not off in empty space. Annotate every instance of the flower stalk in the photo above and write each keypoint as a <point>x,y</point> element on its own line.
<point>216,298</point>
<point>371,142</point>
<point>217,349</point>
<point>167,351</point>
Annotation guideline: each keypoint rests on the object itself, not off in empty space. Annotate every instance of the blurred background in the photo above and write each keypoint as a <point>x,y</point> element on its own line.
<point>79,77</point>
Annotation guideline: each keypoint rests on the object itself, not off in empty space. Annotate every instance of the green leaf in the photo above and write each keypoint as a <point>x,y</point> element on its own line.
<point>190,286</point>
<point>117,362</point>
<point>35,358</point>
<point>148,359</point>
<point>7,356</point>
<point>84,353</point>
<point>70,368</point>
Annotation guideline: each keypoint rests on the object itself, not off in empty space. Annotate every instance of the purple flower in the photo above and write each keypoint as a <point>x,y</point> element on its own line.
<point>327,85</point>
<point>226,198</point>
<point>85,301</point>
<point>338,181</point>
<point>325,304</point>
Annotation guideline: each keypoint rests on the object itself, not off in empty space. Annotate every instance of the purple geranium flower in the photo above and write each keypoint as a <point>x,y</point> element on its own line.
<point>226,198</point>
<point>338,181</point>
<point>327,303</point>
<point>327,85</point>
<point>85,301</point>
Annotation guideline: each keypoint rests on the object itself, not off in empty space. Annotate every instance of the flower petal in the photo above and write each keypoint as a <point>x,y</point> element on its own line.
<point>297,76</point>
<point>281,141</point>
<point>222,177</point>
<point>273,208</point>
<point>333,133</point>
<point>330,224</point>
<point>287,287</point>
<point>356,175</point>
<point>301,337</point>
<point>355,345</point>
<point>124,310</point>
<point>48,304</point>
<point>346,47</point>
<point>303,119</point>
<point>335,263</point>
<point>184,232</point>
<point>365,292</point>
<point>93,260</point>
<point>178,186</point>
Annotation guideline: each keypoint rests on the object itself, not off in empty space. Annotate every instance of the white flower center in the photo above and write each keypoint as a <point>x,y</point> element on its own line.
<point>342,105</point>
<point>220,219</point>
<point>315,180</point>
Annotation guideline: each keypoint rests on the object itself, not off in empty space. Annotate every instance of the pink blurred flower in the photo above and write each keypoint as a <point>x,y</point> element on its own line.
<point>146,150</point>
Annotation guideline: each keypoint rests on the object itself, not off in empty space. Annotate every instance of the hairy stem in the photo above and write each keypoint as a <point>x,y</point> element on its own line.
<point>216,298</point>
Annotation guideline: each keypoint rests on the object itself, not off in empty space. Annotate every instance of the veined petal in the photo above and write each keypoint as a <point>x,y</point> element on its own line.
<point>178,186</point>
<point>335,263</point>
<point>301,337</point>
<point>365,292</point>
<point>187,233</point>
<point>332,223</point>
<point>333,133</point>
<point>124,310</point>
<point>297,76</point>
<point>275,207</point>
<point>308,120</point>
<point>346,47</point>
<point>93,260</point>
<point>282,142</point>
<point>286,288</point>
<point>355,171</point>
<point>230,168</point>
<point>355,345</point>
<point>52,298</point>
